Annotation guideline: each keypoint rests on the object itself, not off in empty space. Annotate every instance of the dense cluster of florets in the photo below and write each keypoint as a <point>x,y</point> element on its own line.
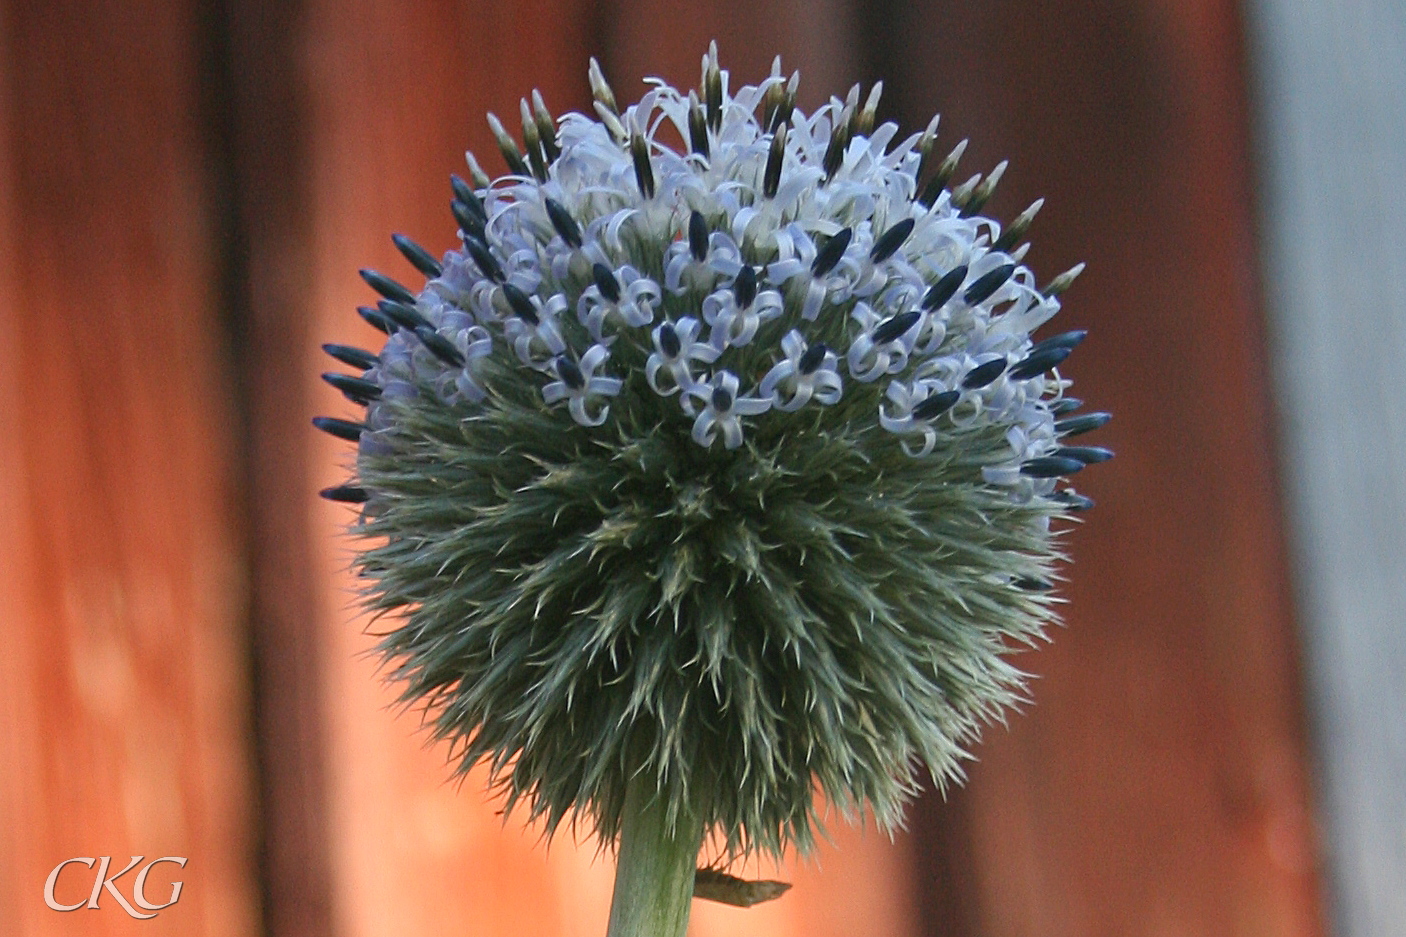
<point>732,465</point>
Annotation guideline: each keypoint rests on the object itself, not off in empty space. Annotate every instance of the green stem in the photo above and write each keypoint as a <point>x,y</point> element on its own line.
<point>655,866</point>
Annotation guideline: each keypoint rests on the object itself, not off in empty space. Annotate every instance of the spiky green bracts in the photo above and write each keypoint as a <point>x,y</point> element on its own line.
<point>730,469</point>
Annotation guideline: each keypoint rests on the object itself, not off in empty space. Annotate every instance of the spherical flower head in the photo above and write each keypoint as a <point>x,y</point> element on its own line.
<point>728,462</point>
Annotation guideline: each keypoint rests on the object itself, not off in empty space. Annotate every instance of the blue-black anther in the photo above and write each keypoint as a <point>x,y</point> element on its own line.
<point>1064,405</point>
<point>377,319</point>
<point>1051,466</point>
<point>888,243</point>
<point>570,374</point>
<point>463,192</point>
<point>722,400</point>
<point>984,374</point>
<point>421,259</point>
<point>605,282</point>
<point>1030,584</point>
<point>483,258</point>
<point>644,172</point>
<point>470,224</point>
<point>813,358</point>
<point>744,287</point>
<point>831,252</point>
<point>1039,362</point>
<point>355,357</point>
<point>669,342</point>
<point>698,236</point>
<point>1075,425</point>
<point>521,304</point>
<point>356,389</point>
<point>936,405</point>
<point>698,132</point>
<point>986,284</point>
<point>1073,500</point>
<point>387,287</point>
<point>1062,340</point>
<point>565,225</point>
<point>405,316</point>
<point>441,347</point>
<point>347,494</point>
<point>342,429</point>
<point>1089,455</point>
<point>945,288</point>
<point>896,327</point>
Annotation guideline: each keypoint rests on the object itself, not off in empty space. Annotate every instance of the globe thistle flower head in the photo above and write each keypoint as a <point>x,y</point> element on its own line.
<point>727,463</point>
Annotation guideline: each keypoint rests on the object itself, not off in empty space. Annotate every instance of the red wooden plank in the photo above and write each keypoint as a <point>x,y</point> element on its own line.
<point>1158,784</point>
<point>123,692</point>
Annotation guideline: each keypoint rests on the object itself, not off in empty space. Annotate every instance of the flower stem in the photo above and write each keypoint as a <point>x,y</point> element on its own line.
<point>655,866</point>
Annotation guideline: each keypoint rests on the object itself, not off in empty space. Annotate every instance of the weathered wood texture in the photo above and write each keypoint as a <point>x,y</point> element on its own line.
<point>1157,785</point>
<point>1332,144</point>
<point>124,679</point>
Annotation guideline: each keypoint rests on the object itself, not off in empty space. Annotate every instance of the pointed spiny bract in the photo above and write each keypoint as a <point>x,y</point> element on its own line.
<point>736,467</point>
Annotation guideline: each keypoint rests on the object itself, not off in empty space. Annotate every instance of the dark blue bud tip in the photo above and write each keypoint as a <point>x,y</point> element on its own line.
<point>888,243</point>
<point>441,347</point>
<point>605,282</point>
<point>569,373</point>
<point>669,342</point>
<point>1051,466</point>
<point>470,224</point>
<point>483,258</point>
<point>356,389</point>
<point>520,303</point>
<point>377,319</point>
<point>988,283</point>
<point>421,259</point>
<point>1062,340</point>
<point>1064,405</point>
<point>744,288</point>
<point>354,357</point>
<point>698,236</point>
<point>1074,425</point>
<point>810,361</point>
<point>896,327</point>
<point>402,314</point>
<point>984,374</point>
<point>1072,500</point>
<point>387,287</point>
<point>346,494</point>
<point>342,429</point>
<point>1030,584</point>
<point>945,288</point>
<point>1089,455</point>
<point>1040,361</point>
<point>936,405</point>
<point>831,252</point>
<point>564,224</point>
<point>463,192</point>
<point>722,400</point>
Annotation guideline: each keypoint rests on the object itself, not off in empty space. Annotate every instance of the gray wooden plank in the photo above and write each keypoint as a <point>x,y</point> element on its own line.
<point>1331,83</point>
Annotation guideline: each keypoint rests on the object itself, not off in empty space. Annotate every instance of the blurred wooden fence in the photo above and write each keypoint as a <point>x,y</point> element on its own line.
<point>186,191</point>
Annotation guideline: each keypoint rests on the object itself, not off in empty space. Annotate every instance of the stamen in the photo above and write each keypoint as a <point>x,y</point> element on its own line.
<point>697,126</point>
<point>722,400</point>
<point>936,405</point>
<point>1039,362</point>
<point>810,361</point>
<point>570,374</point>
<point>402,314</point>
<point>484,259</point>
<point>546,127</point>
<point>1063,282</point>
<point>605,282</point>
<point>354,357</point>
<point>1064,405</point>
<point>945,170</point>
<point>945,288</point>
<point>744,288</point>
<point>698,236</point>
<point>356,389</point>
<point>771,181</point>
<point>669,342</point>
<point>386,286</point>
<point>600,89</point>
<point>988,283</point>
<point>342,429</point>
<point>888,243</point>
<point>440,346</point>
<point>984,374</point>
<point>1017,228</point>
<point>564,224</point>
<point>644,172</point>
<point>1062,340</point>
<point>419,258</point>
<point>1050,467</point>
<point>896,327</point>
<point>347,494</point>
<point>520,304</point>
<point>829,255</point>
<point>508,147</point>
<point>1089,455</point>
<point>1075,425</point>
<point>376,319</point>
